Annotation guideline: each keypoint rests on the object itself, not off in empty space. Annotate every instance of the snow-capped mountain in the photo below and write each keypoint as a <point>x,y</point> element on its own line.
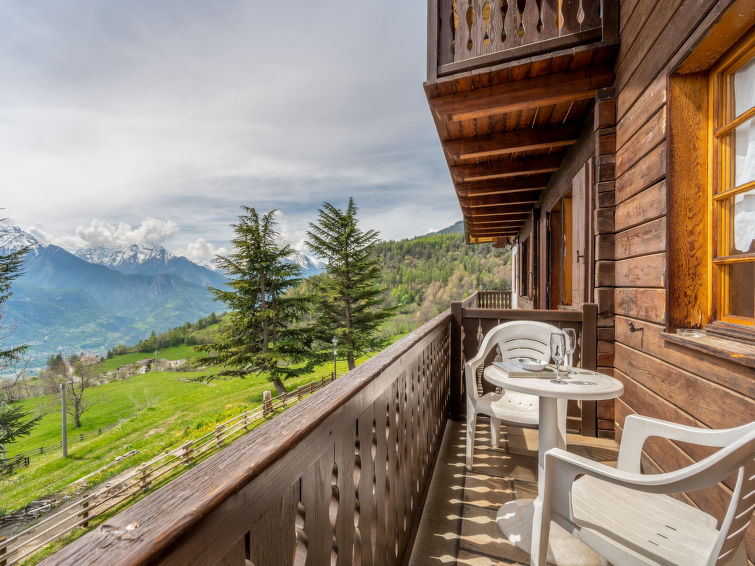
<point>310,265</point>
<point>151,259</point>
<point>127,259</point>
<point>13,238</point>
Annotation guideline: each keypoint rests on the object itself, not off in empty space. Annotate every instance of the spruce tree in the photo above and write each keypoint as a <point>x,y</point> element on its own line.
<point>14,421</point>
<point>261,332</point>
<point>349,302</point>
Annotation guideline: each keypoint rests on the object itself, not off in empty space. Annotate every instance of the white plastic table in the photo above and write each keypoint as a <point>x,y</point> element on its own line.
<point>518,518</point>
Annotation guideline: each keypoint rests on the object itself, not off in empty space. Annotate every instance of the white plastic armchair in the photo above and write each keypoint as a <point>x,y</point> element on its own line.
<point>627,517</point>
<point>516,339</point>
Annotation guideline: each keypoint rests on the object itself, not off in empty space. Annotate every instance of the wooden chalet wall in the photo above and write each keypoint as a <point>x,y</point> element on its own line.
<point>661,378</point>
<point>627,140</point>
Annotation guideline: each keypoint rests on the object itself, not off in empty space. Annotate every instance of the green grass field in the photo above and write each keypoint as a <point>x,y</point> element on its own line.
<point>174,353</point>
<point>155,412</point>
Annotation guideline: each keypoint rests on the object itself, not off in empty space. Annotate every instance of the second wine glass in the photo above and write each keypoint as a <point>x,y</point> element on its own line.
<point>571,345</point>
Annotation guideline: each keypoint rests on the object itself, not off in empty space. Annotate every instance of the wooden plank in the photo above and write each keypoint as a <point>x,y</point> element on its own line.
<point>506,168</point>
<point>643,207</point>
<point>457,377</point>
<point>496,187</point>
<point>647,137</point>
<point>647,171</point>
<point>526,93</point>
<point>498,200</point>
<point>655,58</point>
<point>510,142</point>
<point>645,271</point>
<point>648,338</point>
<point>632,118</point>
<point>512,210</point>
<point>643,239</point>
<point>432,40</point>
<point>644,304</point>
<point>688,201</point>
<point>523,314</point>
<point>710,404</point>
<point>272,537</point>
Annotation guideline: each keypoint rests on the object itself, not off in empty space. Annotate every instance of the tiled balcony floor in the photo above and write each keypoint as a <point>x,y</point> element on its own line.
<point>458,522</point>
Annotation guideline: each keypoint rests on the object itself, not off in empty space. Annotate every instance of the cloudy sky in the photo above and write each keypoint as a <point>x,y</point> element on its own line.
<point>155,119</point>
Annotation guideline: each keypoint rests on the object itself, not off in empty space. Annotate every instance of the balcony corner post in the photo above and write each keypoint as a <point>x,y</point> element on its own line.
<point>456,389</point>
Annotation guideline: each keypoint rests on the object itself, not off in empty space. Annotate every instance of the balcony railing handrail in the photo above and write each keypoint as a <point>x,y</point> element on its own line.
<point>207,512</point>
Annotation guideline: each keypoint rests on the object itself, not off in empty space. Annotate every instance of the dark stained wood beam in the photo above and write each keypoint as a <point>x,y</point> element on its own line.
<point>496,200</point>
<point>513,210</point>
<point>555,88</point>
<point>511,142</point>
<point>503,186</point>
<point>506,168</point>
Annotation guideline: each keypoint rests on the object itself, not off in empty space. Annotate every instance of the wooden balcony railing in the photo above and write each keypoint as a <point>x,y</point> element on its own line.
<point>468,34</point>
<point>337,479</point>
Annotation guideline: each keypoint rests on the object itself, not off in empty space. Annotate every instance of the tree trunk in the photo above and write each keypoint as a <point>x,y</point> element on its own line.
<point>350,359</point>
<point>279,387</point>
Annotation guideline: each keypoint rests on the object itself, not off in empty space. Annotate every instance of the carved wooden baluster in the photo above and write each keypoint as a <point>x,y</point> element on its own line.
<point>580,13</point>
<point>470,22</point>
<point>300,554</point>
<point>560,16</point>
<point>453,23</point>
<point>520,6</point>
<point>333,512</point>
<point>486,12</point>
<point>504,6</point>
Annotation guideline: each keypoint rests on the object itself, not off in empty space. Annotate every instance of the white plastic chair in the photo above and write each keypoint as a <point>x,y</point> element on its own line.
<point>516,339</point>
<point>624,514</point>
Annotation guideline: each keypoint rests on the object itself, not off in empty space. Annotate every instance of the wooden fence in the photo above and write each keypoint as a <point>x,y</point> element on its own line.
<point>101,500</point>
<point>338,479</point>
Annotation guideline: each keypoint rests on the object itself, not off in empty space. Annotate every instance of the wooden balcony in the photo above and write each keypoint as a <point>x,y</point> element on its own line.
<point>340,478</point>
<point>509,84</point>
<point>469,34</point>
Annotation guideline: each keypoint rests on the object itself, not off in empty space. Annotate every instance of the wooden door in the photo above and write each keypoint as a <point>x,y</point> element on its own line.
<point>544,271</point>
<point>580,228</point>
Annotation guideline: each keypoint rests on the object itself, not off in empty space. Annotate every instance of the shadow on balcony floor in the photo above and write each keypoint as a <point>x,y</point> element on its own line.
<point>458,522</point>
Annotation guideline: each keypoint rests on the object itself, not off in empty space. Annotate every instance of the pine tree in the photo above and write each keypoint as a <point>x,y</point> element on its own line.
<point>261,333</point>
<point>14,421</point>
<point>349,302</point>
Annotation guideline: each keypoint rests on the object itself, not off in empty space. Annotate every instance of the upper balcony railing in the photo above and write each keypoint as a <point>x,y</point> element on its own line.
<point>468,34</point>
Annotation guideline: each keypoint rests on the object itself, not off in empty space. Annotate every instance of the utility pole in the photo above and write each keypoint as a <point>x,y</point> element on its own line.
<point>2,410</point>
<point>64,441</point>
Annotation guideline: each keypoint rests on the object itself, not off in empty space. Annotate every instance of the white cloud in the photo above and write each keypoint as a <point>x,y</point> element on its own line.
<point>202,251</point>
<point>100,233</point>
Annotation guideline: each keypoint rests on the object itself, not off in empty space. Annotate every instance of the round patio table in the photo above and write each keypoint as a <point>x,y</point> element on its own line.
<point>518,519</point>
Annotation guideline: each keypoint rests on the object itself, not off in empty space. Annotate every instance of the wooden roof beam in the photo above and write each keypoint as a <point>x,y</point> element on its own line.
<point>503,210</point>
<point>555,88</point>
<point>511,142</point>
<point>500,187</point>
<point>496,200</point>
<point>506,168</point>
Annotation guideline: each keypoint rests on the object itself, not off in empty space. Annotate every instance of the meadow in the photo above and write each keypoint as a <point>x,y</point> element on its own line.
<point>153,412</point>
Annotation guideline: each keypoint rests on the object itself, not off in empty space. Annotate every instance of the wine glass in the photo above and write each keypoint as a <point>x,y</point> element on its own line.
<point>571,345</point>
<point>558,352</point>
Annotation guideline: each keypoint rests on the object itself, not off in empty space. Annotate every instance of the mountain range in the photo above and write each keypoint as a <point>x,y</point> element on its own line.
<point>92,299</point>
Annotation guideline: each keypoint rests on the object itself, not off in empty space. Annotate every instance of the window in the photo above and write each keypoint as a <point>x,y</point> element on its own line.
<point>732,177</point>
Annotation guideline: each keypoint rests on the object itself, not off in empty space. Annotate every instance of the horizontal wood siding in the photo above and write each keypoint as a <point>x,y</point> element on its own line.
<point>661,379</point>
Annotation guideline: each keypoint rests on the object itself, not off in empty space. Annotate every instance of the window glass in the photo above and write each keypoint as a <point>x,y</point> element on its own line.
<point>744,223</point>
<point>744,88</point>
<point>741,291</point>
<point>744,161</point>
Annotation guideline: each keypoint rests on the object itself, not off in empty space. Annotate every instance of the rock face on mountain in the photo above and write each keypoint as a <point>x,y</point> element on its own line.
<point>64,301</point>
